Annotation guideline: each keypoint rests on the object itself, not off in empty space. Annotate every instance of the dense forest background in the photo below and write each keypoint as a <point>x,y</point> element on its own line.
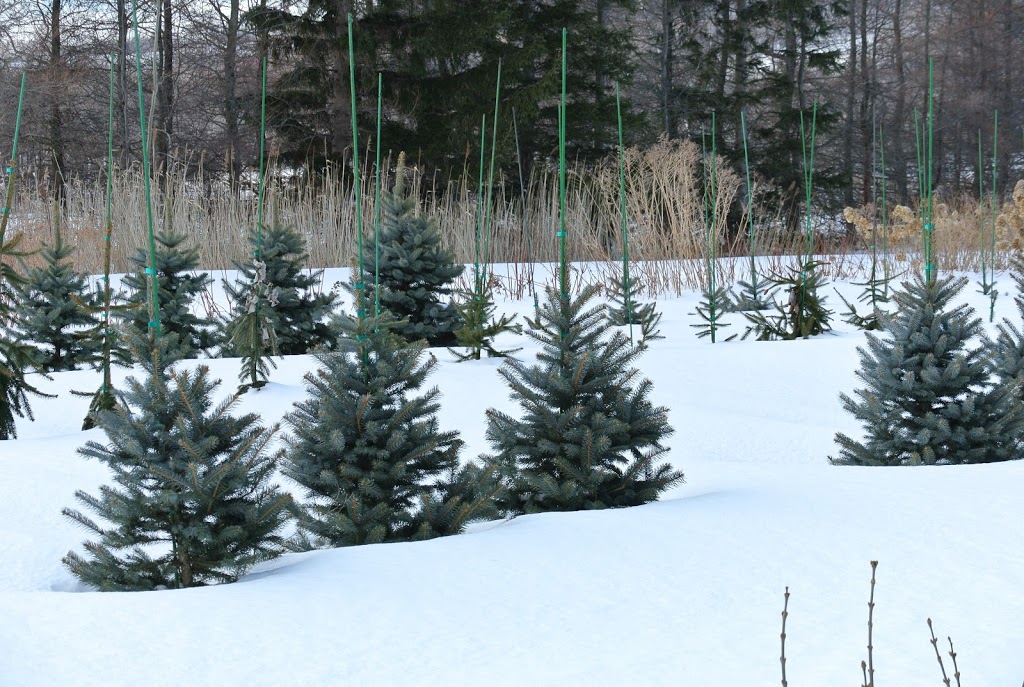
<point>862,63</point>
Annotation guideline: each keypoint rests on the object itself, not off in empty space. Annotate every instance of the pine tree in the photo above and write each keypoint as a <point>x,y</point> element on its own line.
<point>179,285</point>
<point>16,358</point>
<point>368,451</point>
<point>287,294</point>
<point>415,273</point>
<point>622,313</point>
<point>193,503</point>
<point>713,304</point>
<point>438,59</point>
<point>481,324</point>
<point>55,318</point>
<point>928,397</point>
<point>1009,345</point>
<point>804,313</point>
<point>588,436</point>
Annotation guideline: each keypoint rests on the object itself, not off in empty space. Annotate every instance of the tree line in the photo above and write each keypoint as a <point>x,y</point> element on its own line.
<point>858,68</point>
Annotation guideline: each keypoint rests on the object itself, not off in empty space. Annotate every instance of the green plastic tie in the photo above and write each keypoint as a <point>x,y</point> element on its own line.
<point>150,270</point>
<point>153,324</point>
<point>561,233</point>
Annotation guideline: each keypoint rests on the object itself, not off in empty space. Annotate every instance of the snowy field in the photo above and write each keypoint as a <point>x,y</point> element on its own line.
<point>686,591</point>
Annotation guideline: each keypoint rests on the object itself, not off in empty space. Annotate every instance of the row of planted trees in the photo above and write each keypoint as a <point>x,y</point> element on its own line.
<point>194,503</point>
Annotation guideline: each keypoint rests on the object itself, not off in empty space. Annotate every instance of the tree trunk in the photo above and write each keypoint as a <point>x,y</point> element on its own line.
<point>667,39</point>
<point>122,97</point>
<point>897,138</point>
<point>56,123</point>
<point>231,93</point>
<point>851,103</point>
<point>163,128</point>
<point>341,101</point>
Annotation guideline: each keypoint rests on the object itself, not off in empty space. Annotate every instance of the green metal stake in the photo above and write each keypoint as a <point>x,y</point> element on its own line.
<point>919,136</point>
<point>885,211</point>
<point>929,226</point>
<point>107,384</point>
<point>808,157</point>
<point>981,216</point>
<point>711,235</point>
<point>490,178</point>
<point>376,203</point>
<point>995,209</point>
<point>357,190</point>
<point>750,207</point>
<point>622,206</point>
<point>154,282</point>
<point>12,167</point>
<point>477,257</point>
<point>522,195</point>
<point>263,137</point>
<point>563,276</point>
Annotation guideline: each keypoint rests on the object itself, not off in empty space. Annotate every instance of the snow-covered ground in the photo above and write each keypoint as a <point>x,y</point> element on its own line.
<point>686,591</point>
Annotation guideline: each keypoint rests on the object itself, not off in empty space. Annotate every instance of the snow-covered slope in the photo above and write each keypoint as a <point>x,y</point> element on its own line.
<point>686,591</point>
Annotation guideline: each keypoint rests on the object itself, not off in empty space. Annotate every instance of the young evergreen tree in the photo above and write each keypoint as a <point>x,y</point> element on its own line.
<point>179,285</point>
<point>481,323</point>
<point>623,312</point>
<point>56,311</point>
<point>368,450</point>
<point>588,436</point>
<point>287,296</point>
<point>16,358</point>
<point>928,397</point>
<point>415,273</point>
<point>803,315</point>
<point>193,504</point>
<point>1008,356</point>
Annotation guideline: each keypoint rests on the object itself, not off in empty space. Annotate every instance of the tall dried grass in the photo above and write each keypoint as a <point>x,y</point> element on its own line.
<point>665,207</point>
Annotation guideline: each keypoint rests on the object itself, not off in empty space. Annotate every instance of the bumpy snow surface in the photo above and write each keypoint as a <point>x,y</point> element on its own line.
<point>686,591</point>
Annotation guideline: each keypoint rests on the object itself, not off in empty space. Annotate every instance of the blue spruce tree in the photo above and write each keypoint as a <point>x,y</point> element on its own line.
<point>287,298</point>
<point>180,284</point>
<point>928,396</point>
<point>56,306</point>
<point>416,273</point>
<point>193,503</point>
<point>368,450</point>
<point>588,436</point>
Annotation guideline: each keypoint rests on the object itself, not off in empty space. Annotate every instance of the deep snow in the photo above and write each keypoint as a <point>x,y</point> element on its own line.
<point>686,591</point>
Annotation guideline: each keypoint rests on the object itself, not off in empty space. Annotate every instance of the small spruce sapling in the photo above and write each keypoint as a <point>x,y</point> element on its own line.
<point>622,313</point>
<point>276,287</point>
<point>875,295</point>
<point>56,310</point>
<point>367,448</point>
<point>179,284</point>
<point>755,294</point>
<point>16,358</point>
<point>481,324</point>
<point>416,273</point>
<point>713,304</point>
<point>1008,356</point>
<point>588,436</point>
<point>193,503</point>
<point>803,315</point>
<point>927,397</point>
